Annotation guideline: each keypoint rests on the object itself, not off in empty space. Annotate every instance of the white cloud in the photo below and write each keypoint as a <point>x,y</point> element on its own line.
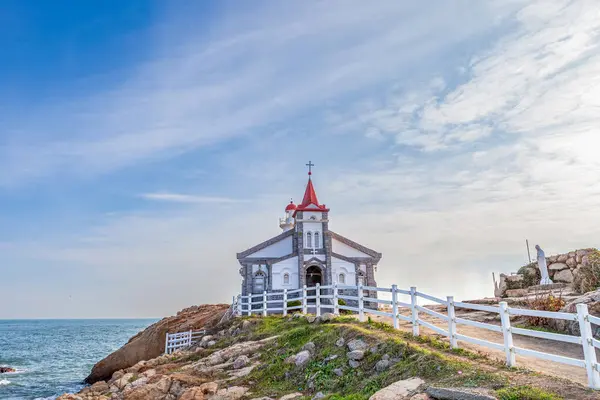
<point>186,198</point>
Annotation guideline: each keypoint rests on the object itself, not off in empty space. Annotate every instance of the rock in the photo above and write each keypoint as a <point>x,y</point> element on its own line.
<point>421,396</point>
<point>517,292</point>
<point>230,393</point>
<point>572,263</point>
<point>117,375</point>
<point>581,253</point>
<point>585,260</point>
<point>330,358</point>
<point>357,344</point>
<point>326,317</point>
<point>100,387</point>
<point>158,390</point>
<point>291,396</point>
<point>211,343</point>
<point>398,390</point>
<point>241,362</point>
<point>199,392</point>
<point>242,371</point>
<point>340,342</point>
<point>310,347</point>
<point>385,357</point>
<point>559,266</point>
<point>356,355</point>
<point>571,254</point>
<point>246,324</point>
<point>551,259</point>
<point>193,393</point>
<point>353,363</point>
<point>382,365</point>
<point>318,396</point>
<point>150,343</point>
<point>338,372</point>
<point>149,373</point>
<point>564,276</point>
<point>562,258</point>
<point>206,338</point>
<point>459,394</point>
<point>5,370</point>
<point>311,318</point>
<point>302,358</point>
<point>124,380</point>
<point>514,281</point>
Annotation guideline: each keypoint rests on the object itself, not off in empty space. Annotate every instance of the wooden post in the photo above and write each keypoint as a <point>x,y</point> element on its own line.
<point>507,333</point>
<point>336,304</point>
<point>414,311</point>
<point>284,302</point>
<point>318,299</point>
<point>589,351</point>
<point>304,301</point>
<point>452,323</point>
<point>361,304</point>
<point>167,344</point>
<point>395,305</point>
<point>264,304</point>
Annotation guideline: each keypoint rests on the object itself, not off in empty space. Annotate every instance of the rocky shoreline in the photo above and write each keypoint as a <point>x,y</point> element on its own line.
<point>313,358</point>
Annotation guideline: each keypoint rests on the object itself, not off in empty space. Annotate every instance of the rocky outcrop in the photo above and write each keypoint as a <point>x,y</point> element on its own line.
<point>150,343</point>
<point>562,269</point>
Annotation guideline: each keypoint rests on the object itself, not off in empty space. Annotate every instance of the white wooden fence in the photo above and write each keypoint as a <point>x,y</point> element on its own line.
<point>277,302</point>
<point>175,341</point>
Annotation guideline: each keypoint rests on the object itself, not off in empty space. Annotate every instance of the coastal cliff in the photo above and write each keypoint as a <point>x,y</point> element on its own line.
<point>327,357</point>
<point>150,343</point>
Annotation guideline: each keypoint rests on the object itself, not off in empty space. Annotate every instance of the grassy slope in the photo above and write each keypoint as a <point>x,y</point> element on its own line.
<point>426,357</point>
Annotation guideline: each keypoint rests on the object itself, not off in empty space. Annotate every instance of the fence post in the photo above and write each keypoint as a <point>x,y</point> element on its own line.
<point>507,333</point>
<point>304,301</point>
<point>413,310</point>
<point>249,304</point>
<point>452,323</point>
<point>239,305</point>
<point>318,300</point>
<point>589,351</point>
<point>361,304</point>
<point>264,311</point>
<point>336,305</point>
<point>284,302</point>
<point>167,344</point>
<point>190,337</point>
<point>395,305</point>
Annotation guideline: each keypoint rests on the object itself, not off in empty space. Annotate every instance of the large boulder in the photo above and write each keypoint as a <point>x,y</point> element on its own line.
<point>150,343</point>
<point>398,390</point>
<point>565,276</point>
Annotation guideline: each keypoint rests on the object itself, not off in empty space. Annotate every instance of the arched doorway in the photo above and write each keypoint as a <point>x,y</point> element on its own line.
<point>313,276</point>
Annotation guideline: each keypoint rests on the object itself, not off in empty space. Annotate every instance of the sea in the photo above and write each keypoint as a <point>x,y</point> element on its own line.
<point>54,356</point>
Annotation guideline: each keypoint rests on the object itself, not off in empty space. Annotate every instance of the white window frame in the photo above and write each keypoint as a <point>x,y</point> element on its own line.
<point>342,278</point>
<point>286,278</point>
<point>309,240</point>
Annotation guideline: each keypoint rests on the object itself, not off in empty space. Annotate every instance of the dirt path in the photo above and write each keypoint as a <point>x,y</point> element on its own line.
<point>572,373</point>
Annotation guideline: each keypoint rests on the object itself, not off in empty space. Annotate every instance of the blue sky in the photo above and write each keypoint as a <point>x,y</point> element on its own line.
<point>143,144</point>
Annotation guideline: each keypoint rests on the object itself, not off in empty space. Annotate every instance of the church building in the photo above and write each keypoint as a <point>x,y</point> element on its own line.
<point>306,252</point>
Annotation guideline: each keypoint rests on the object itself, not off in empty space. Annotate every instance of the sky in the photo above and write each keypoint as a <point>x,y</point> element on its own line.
<point>144,143</point>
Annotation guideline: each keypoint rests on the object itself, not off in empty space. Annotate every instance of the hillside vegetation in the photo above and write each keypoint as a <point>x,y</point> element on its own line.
<point>335,358</point>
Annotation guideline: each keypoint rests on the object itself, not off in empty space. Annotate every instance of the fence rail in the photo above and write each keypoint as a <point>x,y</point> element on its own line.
<point>180,340</point>
<point>328,298</point>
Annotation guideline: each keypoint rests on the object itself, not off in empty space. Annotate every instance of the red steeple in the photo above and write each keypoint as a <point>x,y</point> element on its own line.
<point>310,201</point>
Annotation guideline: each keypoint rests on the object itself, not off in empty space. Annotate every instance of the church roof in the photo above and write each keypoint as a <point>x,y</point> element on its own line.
<point>310,201</point>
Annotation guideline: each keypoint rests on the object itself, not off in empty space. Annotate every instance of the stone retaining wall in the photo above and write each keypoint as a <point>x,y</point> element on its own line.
<point>562,268</point>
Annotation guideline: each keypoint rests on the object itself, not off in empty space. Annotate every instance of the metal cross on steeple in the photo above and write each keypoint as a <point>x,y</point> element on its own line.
<point>310,165</point>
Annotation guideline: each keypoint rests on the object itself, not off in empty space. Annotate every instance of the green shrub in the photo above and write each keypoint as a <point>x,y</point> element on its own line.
<point>531,274</point>
<point>294,303</point>
<point>525,393</point>
<point>342,302</point>
<point>587,278</point>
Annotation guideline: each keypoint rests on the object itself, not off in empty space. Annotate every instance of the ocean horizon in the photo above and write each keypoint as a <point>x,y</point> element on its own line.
<point>54,356</point>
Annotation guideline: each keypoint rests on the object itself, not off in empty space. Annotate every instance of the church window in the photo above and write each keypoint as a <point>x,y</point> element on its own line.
<point>308,240</point>
<point>259,283</point>
<point>286,279</point>
<point>317,243</point>
<point>342,279</point>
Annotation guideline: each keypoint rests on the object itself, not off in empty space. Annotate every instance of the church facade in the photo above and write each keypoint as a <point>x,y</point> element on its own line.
<point>307,252</point>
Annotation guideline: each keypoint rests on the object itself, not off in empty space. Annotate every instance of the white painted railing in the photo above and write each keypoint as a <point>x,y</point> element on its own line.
<point>180,340</point>
<point>326,297</point>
